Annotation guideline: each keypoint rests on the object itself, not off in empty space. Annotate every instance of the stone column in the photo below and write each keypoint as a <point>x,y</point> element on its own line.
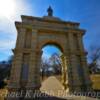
<point>34,40</point>
<point>80,42</point>
<point>37,69</point>
<point>69,73</point>
<point>14,84</point>
<point>34,70</point>
<point>73,63</point>
<point>76,79</point>
<point>71,42</point>
<point>84,63</point>
<point>64,71</point>
<point>17,62</point>
<point>86,73</point>
<point>16,71</point>
<point>20,38</point>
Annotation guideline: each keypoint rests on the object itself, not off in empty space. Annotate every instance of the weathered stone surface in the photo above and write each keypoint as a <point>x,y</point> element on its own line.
<point>33,34</point>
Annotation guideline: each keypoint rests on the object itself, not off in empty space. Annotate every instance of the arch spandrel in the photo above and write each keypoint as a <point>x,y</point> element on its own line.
<point>51,42</point>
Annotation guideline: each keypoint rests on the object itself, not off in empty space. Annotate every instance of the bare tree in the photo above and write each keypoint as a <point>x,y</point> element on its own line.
<point>51,65</point>
<point>94,58</point>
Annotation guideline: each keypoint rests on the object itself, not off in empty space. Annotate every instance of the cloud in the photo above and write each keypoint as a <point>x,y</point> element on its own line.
<point>6,44</point>
<point>7,24</point>
<point>8,31</point>
<point>6,47</point>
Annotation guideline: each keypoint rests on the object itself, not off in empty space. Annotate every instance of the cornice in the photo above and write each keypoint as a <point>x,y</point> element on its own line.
<point>42,28</point>
<point>43,19</point>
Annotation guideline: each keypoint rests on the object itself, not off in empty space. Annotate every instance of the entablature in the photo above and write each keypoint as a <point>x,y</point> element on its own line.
<point>49,28</point>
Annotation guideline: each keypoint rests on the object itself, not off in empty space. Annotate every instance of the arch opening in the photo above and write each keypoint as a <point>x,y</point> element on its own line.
<point>50,61</point>
<point>53,44</point>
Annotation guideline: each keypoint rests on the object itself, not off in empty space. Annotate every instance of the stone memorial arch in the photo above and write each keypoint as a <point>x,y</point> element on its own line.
<point>35,32</point>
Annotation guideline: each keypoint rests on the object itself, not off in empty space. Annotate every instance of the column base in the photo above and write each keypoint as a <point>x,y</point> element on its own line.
<point>33,87</point>
<point>13,85</point>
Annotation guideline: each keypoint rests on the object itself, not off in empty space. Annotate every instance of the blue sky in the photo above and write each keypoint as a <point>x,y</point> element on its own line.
<point>86,12</point>
<point>49,50</point>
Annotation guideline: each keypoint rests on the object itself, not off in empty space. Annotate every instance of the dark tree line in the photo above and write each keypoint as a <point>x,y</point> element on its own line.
<point>5,67</point>
<point>52,66</point>
<point>94,58</point>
